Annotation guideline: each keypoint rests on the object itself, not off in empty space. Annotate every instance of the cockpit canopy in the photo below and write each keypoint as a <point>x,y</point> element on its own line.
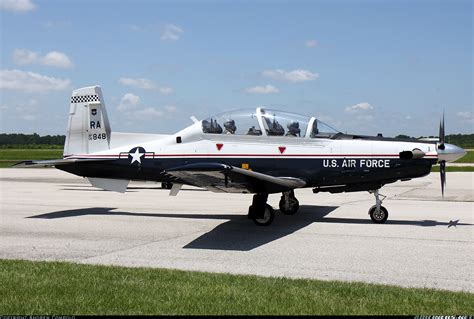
<point>266,122</point>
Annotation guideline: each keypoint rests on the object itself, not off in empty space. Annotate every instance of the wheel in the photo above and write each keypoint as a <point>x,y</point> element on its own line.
<point>289,207</point>
<point>268,217</point>
<point>379,217</point>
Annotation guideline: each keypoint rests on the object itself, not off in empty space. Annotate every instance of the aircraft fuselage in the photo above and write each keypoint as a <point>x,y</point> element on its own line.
<point>320,162</point>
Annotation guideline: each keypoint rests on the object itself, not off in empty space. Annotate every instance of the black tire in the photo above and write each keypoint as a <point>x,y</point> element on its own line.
<point>378,217</point>
<point>269,215</point>
<point>293,207</point>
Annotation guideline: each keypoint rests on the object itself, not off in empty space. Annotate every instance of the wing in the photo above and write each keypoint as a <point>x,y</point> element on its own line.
<point>219,177</point>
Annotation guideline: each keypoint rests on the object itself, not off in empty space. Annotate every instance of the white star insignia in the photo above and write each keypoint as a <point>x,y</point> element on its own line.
<point>137,156</point>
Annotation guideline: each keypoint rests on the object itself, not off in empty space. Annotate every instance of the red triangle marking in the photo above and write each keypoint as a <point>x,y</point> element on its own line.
<point>219,146</point>
<point>282,149</point>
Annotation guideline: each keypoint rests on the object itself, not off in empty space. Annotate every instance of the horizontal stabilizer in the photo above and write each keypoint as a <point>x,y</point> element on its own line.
<point>109,184</point>
<point>57,162</point>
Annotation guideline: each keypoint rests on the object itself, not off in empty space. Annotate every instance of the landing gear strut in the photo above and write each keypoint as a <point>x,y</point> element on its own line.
<point>378,213</point>
<point>289,205</point>
<point>166,185</point>
<point>260,212</point>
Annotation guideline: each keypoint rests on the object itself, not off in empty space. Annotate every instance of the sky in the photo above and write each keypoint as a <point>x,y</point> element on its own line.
<point>363,67</point>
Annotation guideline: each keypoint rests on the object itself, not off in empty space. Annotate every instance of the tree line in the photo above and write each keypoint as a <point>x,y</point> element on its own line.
<point>31,141</point>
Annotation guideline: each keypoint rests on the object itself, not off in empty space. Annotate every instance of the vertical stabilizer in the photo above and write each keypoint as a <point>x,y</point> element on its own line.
<point>88,126</point>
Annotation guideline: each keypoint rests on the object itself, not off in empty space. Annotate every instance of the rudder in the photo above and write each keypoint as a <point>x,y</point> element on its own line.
<point>88,126</point>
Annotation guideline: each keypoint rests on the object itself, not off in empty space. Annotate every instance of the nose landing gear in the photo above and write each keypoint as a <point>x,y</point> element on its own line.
<point>378,213</point>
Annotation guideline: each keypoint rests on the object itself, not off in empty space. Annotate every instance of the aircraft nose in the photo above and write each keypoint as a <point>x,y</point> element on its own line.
<point>450,153</point>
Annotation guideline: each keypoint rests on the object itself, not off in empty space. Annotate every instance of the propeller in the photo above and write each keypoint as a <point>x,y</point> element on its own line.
<point>441,134</point>
<point>442,163</point>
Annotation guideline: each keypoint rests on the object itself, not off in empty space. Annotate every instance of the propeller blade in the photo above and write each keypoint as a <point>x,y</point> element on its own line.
<point>442,173</point>
<point>442,163</point>
<point>441,134</point>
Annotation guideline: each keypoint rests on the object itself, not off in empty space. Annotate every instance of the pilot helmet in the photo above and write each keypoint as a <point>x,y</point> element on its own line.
<point>293,125</point>
<point>229,125</point>
<point>293,128</point>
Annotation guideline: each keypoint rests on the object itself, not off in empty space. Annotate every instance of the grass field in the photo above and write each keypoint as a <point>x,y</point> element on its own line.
<point>23,154</point>
<point>66,288</point>
<point>468,158</point>
<point>8,157</point>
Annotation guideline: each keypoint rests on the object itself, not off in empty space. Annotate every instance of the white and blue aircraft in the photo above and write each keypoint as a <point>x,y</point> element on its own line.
<point>259,151</point>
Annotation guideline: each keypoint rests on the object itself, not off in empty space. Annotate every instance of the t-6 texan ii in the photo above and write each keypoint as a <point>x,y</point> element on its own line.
<point>259,151</point>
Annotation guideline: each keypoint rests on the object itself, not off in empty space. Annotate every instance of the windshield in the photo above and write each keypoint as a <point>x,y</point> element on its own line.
<point>321,129</point>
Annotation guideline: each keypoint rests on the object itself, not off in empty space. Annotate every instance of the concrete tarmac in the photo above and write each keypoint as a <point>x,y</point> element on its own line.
<point>47,214</point>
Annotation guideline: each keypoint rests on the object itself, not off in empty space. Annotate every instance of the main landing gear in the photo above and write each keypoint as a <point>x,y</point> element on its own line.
<point>288,203</point>
<point>263,214</point>
<point>260,212</point>
<point>378,213</point>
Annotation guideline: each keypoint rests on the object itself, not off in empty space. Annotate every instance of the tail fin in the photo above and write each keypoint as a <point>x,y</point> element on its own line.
<point>88,128</point>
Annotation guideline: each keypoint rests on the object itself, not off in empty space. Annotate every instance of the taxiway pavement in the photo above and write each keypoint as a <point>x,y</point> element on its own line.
<point>46,214</point>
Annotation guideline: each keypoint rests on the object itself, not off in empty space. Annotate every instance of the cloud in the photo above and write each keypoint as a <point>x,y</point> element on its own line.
<point>31,82</point>
<point>145,84</point>
<point>165,90</point>
<point>147,113</point>
<point>466,117</point>
<point>138,83</point>
<point>311,43</point>
<point>17,5</point>
<point>128,101</point>
<point>171,108</point>
<point>171,32</point>
<point>361,107</point>
<point>267,89</point>
<point>53,58</point>
<point>57,59</point>
<point>294,76</point>
<point>24,57</point>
